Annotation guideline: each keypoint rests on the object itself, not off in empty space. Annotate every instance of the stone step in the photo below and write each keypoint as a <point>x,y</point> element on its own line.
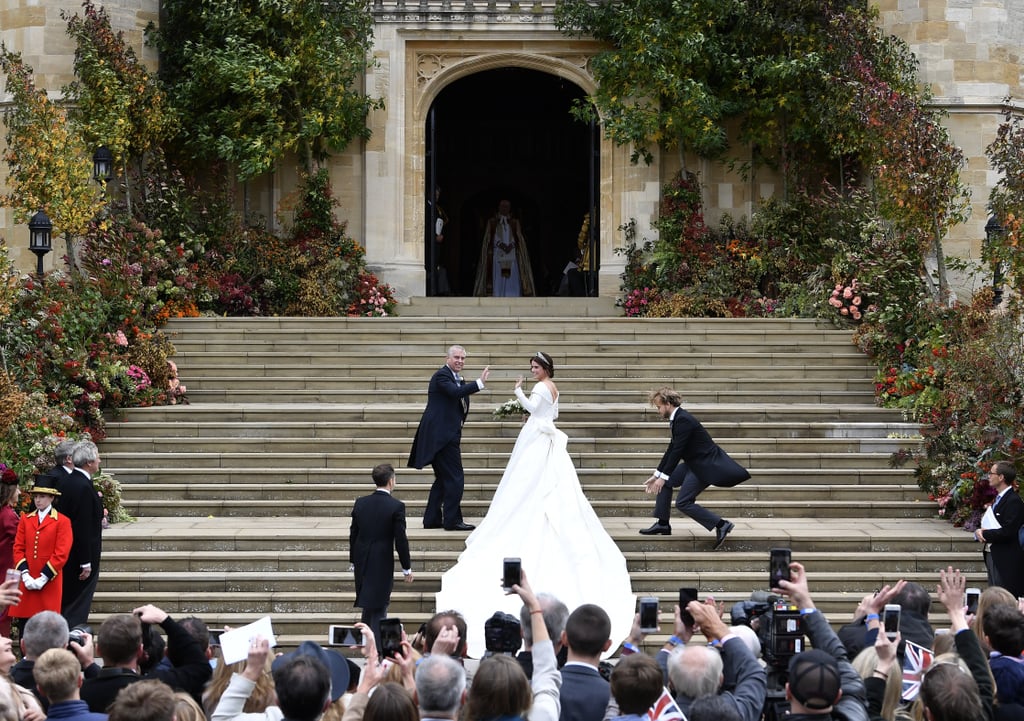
<point>369,457</point>
<point>250,394</point>
<point>856,539</point>
<point>511,364</point>
<point>868,436</point>
<point>612,415</point>
<point>675,565</point>
<point>590,391</point>
<point>587,450</point>
<point>579,374</point>
<point>473,508</point>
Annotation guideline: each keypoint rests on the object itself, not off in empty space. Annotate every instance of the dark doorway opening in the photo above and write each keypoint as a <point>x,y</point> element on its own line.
<point>508,134</point>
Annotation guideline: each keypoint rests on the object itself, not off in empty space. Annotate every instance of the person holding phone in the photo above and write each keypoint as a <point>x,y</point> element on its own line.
<point>376,534</point>
<point>692,462</point>
<point>540,515</point>
<point>439,437</point>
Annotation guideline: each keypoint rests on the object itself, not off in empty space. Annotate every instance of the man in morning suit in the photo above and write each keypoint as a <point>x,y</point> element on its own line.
<point>692,463</point>
<point>63,466</point>
<point>585,694</point>
<point>438,439</point>
<point>377,530</point>
<point>999,531</point>
<point>81,504</point>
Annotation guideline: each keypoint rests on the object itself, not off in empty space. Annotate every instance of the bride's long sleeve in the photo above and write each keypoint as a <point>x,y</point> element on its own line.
<point>529,404</point>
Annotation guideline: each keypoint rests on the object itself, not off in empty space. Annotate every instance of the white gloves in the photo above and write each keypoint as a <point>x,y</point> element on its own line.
<point>34,584</point>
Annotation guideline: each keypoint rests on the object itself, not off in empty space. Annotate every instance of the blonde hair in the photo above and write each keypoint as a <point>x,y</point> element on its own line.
<point>56,673</point>
<point>665,395</point>
<point>865,664</point>
<point>262,696</point>
<point>186,708</point>
<point>991,596</point>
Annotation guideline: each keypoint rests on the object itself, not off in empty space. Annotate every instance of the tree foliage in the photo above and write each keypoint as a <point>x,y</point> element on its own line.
<point>813,89</point>
<point>1006,153</point>
<point>255,79</point>
<point>117,103</point>
<point>49,165</point>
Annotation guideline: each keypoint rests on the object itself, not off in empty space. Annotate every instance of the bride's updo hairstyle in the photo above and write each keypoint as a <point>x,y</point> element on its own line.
<point>545,362</point>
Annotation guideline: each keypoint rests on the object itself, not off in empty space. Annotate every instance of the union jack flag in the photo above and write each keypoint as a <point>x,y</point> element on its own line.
<point>665,708</point>
<point>916,660</point>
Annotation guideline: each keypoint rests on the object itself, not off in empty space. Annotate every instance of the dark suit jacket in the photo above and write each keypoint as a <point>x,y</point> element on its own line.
<point>692,444</point>
<point>1006,551</point>
<point>79,501</point>
<point>584,695</point>
<point>378,529</point>
<point>443,417</point>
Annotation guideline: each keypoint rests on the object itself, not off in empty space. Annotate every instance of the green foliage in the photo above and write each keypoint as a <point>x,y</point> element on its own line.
<point>115,100</point>
<point>1006,154</point>
<point>49,165</point>
<point>256,79</point>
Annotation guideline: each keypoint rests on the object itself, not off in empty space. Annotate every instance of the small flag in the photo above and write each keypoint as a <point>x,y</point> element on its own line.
<point>916,660</point>
<point>665,708</point>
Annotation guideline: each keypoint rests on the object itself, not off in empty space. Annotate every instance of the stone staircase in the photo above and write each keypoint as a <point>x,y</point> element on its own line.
<point>242,498</point>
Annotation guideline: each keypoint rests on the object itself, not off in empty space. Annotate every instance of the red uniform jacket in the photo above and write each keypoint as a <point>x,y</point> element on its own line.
<point>41,549</point>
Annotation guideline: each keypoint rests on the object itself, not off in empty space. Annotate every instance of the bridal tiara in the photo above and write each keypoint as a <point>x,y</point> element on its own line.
<point>540,354</point>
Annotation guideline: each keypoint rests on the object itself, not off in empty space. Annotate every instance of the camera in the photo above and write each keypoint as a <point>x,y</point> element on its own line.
<point>503,633</point>
<point>77,635</point>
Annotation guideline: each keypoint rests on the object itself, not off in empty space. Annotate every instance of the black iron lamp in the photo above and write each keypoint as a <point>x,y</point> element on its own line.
<point>40,234</point>
<point>103,165</point>
<point>994,230</point>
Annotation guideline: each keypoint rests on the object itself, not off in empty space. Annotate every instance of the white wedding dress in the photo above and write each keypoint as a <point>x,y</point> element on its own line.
<point>539,514</point>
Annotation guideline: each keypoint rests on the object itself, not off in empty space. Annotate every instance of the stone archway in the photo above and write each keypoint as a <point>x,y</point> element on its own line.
<point>441,71</point>
<point>507,133</point>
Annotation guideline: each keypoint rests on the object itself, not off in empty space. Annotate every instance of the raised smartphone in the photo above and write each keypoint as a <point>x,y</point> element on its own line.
<point>778,566</point>
<point>511,572</point>
<point>685,596</point>
<point>649,615</point>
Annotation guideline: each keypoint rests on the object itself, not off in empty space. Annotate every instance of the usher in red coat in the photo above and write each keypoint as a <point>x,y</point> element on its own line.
<point>42,549</point>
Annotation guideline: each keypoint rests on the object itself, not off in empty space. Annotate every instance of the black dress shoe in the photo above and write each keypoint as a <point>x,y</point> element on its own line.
<point>460,527</point>
<point>658,529</point>
<point>722,532</point>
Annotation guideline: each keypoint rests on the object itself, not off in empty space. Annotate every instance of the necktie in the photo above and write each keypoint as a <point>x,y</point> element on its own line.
<point>463,400</point>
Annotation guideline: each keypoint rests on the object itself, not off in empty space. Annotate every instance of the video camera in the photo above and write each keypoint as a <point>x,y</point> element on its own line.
<point>778,624</point>
<point>503,633</point>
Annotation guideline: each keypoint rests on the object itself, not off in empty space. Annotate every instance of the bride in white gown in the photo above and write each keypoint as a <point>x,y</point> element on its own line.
<point>539,514</point>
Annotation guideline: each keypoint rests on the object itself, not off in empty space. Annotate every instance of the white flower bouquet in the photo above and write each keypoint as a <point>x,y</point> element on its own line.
<point>510,408</point>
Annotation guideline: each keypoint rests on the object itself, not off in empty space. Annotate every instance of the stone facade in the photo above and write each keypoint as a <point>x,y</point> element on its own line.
<point>969,52</point>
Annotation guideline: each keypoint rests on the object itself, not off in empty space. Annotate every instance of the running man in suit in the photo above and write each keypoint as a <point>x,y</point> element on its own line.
<point>1000,526</point>
<point>692,463</point>
<point>377,531</point>
<point>439,437</point>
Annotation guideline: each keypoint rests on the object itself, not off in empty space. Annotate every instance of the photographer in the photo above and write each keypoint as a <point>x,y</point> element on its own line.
<point>822,683</point>
<point>500,687</point>
<point>42,632</point>
<point>121,648</point>
<point>726,667</point>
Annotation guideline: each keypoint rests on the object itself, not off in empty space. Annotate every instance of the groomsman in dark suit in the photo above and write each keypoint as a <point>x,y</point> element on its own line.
<point>585,694</point>
<point>63,467</point>
<point>1000,528</point>
<point>692,463</point>
<point>377,531</point>
<point>83,507</point>
<point>439,437</point>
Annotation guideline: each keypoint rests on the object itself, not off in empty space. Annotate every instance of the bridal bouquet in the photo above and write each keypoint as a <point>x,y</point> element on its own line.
<point>510,408</point>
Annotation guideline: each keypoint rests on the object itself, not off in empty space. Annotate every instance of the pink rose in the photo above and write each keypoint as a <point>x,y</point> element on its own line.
<point>847,293</point>
<point>844,311</point>
<point>857,300</point>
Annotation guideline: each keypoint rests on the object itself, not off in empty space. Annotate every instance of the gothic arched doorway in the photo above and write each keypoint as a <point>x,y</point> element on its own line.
<point>507,133</point>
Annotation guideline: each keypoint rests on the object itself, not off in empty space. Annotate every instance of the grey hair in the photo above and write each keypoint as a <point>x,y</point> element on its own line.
<point>440,684</point>
<point>45,630</point>
<point>83,453</point>
<point>62,451</point>
<point>555,615</point>
<point>695,671</point>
